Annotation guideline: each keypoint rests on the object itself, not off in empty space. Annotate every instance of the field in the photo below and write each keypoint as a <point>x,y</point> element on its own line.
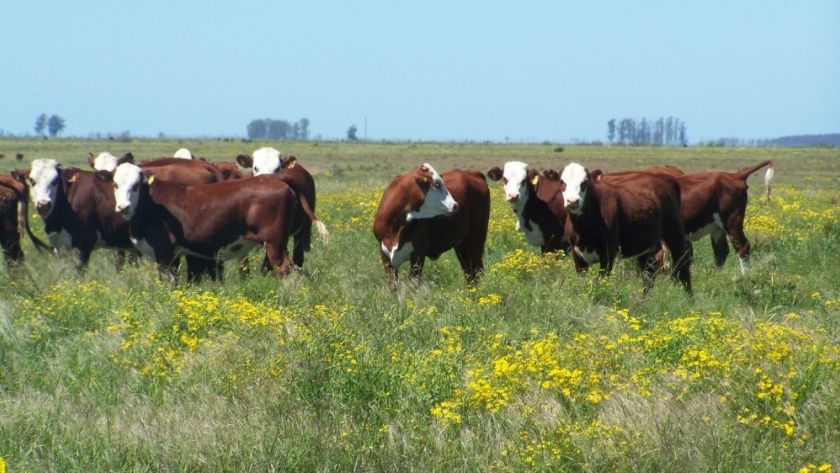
<point>532,369</point>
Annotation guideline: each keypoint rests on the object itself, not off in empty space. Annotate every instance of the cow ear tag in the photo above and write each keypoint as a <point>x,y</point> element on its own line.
<point>535,180</point>
<point>73,178</point>
<point>151,179</point>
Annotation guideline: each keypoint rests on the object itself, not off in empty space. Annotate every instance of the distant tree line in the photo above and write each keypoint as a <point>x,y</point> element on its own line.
<point>269,129</point>
<point>663,131</point>
<point>54,124</point>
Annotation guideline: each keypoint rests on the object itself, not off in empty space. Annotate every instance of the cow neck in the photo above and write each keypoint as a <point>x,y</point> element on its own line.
<point>61,207</point>
<point>586,217</point>
<point>525,214</point>
<point>145,204</point>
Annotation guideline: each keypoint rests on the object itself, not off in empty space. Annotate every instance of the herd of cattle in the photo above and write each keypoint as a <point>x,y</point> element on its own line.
<point>207,212</point>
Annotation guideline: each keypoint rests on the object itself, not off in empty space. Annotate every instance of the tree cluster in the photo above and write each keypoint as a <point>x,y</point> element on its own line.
<point>54,124</point>
<point>269,129</point>
<point>663,131</point>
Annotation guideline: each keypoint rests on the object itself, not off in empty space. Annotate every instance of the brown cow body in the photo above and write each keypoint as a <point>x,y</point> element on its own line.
<point>224,220</point>
<point>631,217</point>
<point>537,204</point>
<point>417,218</point>
<point>715,204</point>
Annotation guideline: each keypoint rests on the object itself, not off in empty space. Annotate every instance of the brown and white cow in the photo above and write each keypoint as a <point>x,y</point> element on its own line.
<point>424,214</point>
<point>224,220</point>
<point>289,170</point>
<point>77,209</point>
<point>631,217</point>
<point>715,204</point>
<point>537,204</point>
<point>106,161</point>
<point>13,221</point>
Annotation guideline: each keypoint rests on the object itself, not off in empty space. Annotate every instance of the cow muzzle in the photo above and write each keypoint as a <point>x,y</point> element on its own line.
<point>124,210</point>
<point>43,207</point>
<point>573,204</point>
<point>513,198</point>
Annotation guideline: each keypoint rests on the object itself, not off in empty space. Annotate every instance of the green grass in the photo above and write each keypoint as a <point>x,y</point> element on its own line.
<point>534,368</point>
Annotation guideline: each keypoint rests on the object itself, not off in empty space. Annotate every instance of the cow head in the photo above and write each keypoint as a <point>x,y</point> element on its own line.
<point>42,178</point>
<point>127,180</point>
<point>574,183</point>
<point>266,161</point>
<point>516,178</point>
<point>436,198</point>
<point>104,162</point>
<point>183,153</point>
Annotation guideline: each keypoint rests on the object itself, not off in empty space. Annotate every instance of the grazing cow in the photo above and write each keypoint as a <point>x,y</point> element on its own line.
<point>288,170</point>
<point>423,213</point>
<point>13,221</point>
<point>632,217</point>
<point>537,204</point>
<point>19,156</point>
<point>77,209</point>
<point>715,204</point>
<point>106,161</point>
<point>2,155</point>
<point>223,220</point>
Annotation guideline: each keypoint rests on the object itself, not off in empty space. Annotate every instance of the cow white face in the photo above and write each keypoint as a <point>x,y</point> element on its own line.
<point>438,200</point>
<point>127,179</point>
<point>515,179</point>
<point>106,162</point>
<point>574,182</point>
<point>183,153</point>
<point>43,181</point>
<point>267,161</point>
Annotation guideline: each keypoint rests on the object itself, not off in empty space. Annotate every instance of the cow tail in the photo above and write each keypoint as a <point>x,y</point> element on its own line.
<point>322,229</point>
<point>743,174</point>
<point>768,176</point>
<point>23,223</point>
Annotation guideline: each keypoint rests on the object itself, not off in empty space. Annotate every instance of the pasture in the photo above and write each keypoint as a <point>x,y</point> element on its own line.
<point>534,368</point>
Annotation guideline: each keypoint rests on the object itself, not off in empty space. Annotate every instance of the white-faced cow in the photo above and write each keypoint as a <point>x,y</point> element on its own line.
<point>714,204</point>
<point>267,161</point>
<point>106,161</point>
<point>537,204</point>
<point>424,214</point>
<point>77,209</point>
<point>217,221</point>
<point>631,217</point>
<point>183,153</point>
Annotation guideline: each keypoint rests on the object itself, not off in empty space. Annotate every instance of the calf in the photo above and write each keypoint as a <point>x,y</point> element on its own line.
<point>288,170</point>
<point>223,220</point>
<point>77,209</point>
<point>423,213</point>
<point>537,204</point>
<point>632,217</point>
<point>715,204</point>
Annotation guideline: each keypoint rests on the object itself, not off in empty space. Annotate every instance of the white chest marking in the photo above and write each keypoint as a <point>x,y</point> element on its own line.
<point>144,248</point>
<point>237,249</point>
<point>61,241</point>
<point>398,256</point>
<point>712,228</point>
<point>534,235</point>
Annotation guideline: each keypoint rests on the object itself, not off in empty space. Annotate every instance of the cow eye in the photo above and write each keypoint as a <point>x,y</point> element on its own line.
<point>31,181</point>
<point>135,187</point>
<point>256,169</point>
<point>116,186</point>
<point>436,184</point>
<point>504,179</point>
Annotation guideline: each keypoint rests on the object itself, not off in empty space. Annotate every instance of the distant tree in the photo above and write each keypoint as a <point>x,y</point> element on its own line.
<point>683,137</point>
<point>659,131</point>
<point>278,129</point>
<point>41,124</point>
<point>611,130</point>
<point>294,132</point>
<point>257,129</point>
<point>304,128</point>
<point>351,133</point>
<point>55,125</point>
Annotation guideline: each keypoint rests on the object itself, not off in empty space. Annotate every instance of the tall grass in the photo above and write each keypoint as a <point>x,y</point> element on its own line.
<point>533,368</point>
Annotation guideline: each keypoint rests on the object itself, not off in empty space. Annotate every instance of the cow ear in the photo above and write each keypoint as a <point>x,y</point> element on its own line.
<point>70,174</point>
<point>148,176</point>
<point>90,160</point>
<point>596,175</point>
<point>551,175</point>
<point>104,176</point>
<point>495,173</point>
<point>245,161</point>
<point>126,158</point>
<point>288,163</point>
<point>20,175</point>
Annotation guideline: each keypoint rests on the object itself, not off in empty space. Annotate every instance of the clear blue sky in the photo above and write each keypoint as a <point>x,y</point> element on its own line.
<point>430,70</point>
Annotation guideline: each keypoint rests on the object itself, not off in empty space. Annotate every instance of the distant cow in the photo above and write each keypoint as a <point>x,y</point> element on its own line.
<point>77,209</point>
<point>631,217</point>
<point>288,170</point>
<point>715,204</point>
<point>423,213</point>
<point>223,220</point>
<point>537,204</point>
<point>19,156</point>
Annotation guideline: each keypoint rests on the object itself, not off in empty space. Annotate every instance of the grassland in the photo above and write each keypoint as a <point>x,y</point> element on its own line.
<point>533,369</point>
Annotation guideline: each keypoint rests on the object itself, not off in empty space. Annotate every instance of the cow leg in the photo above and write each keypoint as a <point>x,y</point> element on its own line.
<point>196,267</point>
<point>739,240</point>
<point>648,267</point>
<point>278,257</point>
<point>681,258</point>
<point>390,270</point>
<point>720,247</point>
<point>471,260</point>
<point>298,247</point>
<point>416,266</point>
<point>10,241</point>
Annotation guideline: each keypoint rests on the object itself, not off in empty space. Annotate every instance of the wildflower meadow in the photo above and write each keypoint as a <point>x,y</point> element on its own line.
<point>534,368</point>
